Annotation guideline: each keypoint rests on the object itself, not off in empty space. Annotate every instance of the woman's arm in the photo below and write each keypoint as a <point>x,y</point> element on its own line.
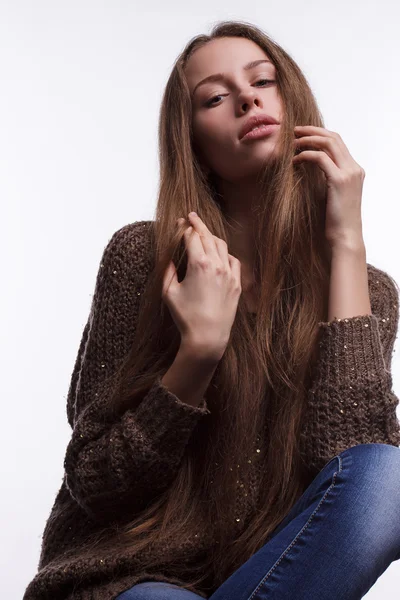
<point>122,463</point>
<point>348,292</point>
<point>350,400</point>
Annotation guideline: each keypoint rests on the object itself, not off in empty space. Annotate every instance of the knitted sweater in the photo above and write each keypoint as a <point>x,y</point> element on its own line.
<point>350,401</point>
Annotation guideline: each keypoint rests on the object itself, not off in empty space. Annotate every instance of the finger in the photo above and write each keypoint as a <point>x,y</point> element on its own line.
<point>321,158</point>
<point>311,129</point>
<point>194,246</point>
<point>222,249</point>
<point>235,265</point>
<point>206,236</point>
<point>337,152</point>
<point>170,277</point>
<point>308,130</point>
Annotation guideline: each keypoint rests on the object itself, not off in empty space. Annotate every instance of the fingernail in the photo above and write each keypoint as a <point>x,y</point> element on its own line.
<point>192,214</point>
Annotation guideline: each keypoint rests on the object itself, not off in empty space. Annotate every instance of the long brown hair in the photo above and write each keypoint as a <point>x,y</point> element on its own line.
<point>259,387</point>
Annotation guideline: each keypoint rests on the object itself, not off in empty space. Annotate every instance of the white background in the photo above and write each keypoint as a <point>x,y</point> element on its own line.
<point>81,85</point>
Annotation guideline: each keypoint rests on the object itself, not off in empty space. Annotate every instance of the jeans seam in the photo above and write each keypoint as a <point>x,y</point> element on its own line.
<point>264,579</point>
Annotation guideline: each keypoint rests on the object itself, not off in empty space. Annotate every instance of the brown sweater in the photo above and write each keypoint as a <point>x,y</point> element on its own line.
<point>350,401</point>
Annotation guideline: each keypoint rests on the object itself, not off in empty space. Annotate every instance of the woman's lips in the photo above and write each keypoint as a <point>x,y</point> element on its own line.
<point>262,131</point>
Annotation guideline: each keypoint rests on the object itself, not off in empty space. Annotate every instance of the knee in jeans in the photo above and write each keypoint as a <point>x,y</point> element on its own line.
<point>150,590</point>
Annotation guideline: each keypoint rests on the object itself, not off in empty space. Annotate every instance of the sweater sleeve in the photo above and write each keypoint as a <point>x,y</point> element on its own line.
<point>350,400</point>
<point>112,465</point>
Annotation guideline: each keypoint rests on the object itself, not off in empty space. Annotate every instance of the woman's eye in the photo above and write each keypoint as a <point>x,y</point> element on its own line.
<point>266,81</point>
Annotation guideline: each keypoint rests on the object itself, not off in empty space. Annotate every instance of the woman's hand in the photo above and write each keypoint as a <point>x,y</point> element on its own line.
<point>204,304</point>
<point>345,179</point>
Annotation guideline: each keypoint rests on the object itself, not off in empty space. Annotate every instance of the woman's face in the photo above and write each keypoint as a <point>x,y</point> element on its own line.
<point>220,108</point>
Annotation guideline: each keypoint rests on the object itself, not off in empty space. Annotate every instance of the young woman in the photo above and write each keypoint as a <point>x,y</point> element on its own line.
<point>234,425</point>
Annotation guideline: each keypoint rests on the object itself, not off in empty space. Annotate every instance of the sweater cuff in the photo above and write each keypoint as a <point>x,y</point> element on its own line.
<point>163,412</point>
<point>350,351</point>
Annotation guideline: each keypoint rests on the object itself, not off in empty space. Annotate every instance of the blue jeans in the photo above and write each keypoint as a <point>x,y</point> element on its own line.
<point>334,543</point>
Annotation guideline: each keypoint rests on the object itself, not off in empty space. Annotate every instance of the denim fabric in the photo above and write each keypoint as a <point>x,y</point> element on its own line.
<point>335,542</point>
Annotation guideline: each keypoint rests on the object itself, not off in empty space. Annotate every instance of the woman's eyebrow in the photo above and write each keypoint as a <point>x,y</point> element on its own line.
<point>219,76</point>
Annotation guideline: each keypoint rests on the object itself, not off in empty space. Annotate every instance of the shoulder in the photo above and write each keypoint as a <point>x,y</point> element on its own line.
<point>130,248</point>
<point>127,259</point>
<point>384,298</point>
<point>384,290</point>
<point>134,237</point>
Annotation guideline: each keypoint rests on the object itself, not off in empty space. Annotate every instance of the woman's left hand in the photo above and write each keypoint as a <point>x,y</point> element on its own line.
<point>344,178</point>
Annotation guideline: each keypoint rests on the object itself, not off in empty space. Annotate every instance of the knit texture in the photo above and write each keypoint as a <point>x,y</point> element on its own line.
<point>120,466</point>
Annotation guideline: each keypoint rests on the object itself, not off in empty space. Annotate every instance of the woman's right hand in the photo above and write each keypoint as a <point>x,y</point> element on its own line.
<point>204,304</point>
